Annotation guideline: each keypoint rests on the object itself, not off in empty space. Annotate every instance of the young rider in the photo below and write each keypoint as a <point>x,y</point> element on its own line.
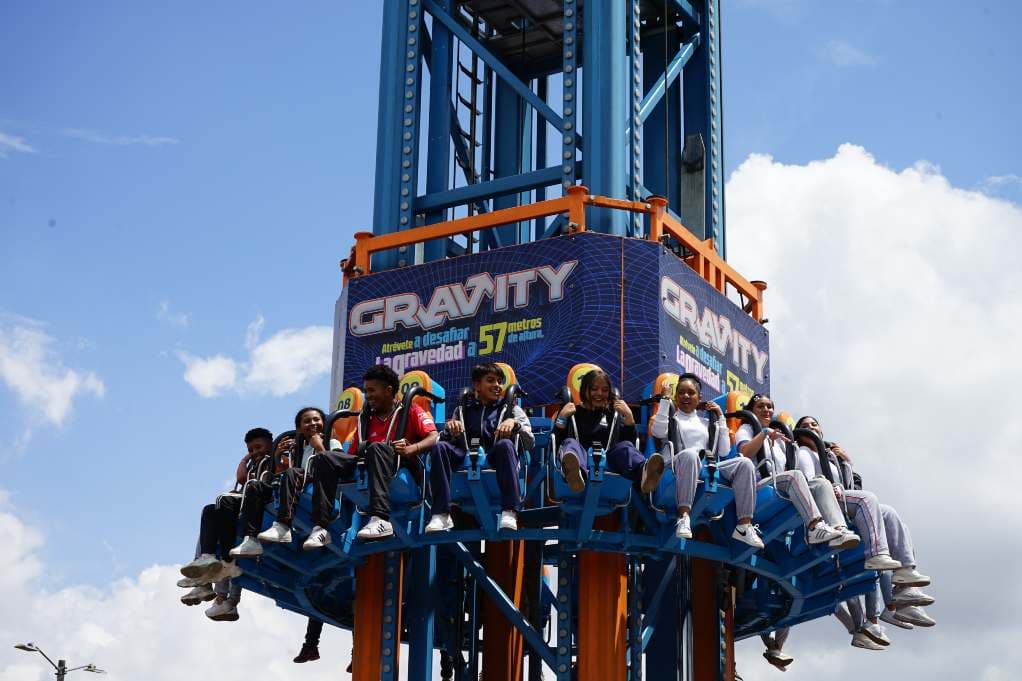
<point>793,483</point>
<point>383,455</point>
<point>690,434</point>
<point>603,419</point>
<point>495,424</point>
<point>217,531</point>
<point>323,468</point>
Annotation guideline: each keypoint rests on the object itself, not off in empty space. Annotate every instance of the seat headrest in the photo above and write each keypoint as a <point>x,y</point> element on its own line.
<point>417,379</point>
<point>351,399</point>
<point>509,375</point>
<point>575,375</point>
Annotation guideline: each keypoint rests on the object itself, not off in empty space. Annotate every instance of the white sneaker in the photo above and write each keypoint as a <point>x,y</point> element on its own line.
<point>847,540</point>
<point>821,533</point>
<point>248,548</point>
<point>881,562</point>
<point>441,522</point>
<point>508,520</point>
<point>191,582</point>
<point>651,473</point>
<point>683,527</point>
<point>860,640</point>
<point>279,533</point>
<point>889,617</point>
<point>778,659</point>
<point>318,538</point>
<point>572,473</point>
<point>915,615</point>
<point>907,575</point>
<point>201,566</point>
<point>876,633</point>
<point>912,595</point>
<point>748,534</point>
<point>198,595</point>
<point>228,570</point>
<point>225,611</point>
<point>377,528</point>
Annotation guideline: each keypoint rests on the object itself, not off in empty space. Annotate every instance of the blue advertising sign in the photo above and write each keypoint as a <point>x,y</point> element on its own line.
<point>623,304</point>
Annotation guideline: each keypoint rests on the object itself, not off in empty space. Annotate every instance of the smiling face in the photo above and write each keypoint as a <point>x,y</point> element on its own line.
<point>259,447</point>
<point>686,395</point>
<point>310,423</point>
<point>379,395</point>
<point>488,388</point>
<point>764,410</point>
<point>598,395</point>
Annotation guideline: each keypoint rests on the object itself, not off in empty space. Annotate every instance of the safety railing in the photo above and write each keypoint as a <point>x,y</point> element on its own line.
<point>699,254</point>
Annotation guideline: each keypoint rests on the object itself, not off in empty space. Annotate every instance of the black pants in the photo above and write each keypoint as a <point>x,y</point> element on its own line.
<point>326,469</point>
<point>257,495</point>
<point>382,465</point>
<point>312,632</point>
<point>219,525</point>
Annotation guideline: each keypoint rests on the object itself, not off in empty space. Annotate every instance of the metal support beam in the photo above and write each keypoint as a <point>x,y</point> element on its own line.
<point>441,115</point>
<point>604,93</point>
<point>502,602</point>
<point>501,69</point>
<point>501,186</point>
<point>674,69</point>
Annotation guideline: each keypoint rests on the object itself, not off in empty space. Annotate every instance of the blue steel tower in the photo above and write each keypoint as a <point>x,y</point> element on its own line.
<point>549,195</point>
<point>529,97</point>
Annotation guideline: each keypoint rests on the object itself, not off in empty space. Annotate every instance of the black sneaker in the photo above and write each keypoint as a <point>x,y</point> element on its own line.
<point>307,654</point>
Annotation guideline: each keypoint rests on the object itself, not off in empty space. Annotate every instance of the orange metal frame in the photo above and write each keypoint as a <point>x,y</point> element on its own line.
<point>702,256</point>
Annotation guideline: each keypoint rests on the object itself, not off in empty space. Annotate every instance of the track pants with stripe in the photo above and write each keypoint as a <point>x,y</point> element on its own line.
<point>794,486</point>
<point>864,511</point>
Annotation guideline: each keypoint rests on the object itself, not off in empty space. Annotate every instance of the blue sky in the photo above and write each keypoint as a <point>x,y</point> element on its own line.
<point>168,176</point>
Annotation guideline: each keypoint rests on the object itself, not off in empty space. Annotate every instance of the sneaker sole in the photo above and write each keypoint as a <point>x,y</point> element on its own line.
<point>274,540</point>
<point>756,546</point>
<point>572,474</point>
<point>898,623</point>
<point>913,582</point>
<point>246,554</point>
<point>375,537</point>
<point>917,623</point>
<point>845,545</point>
<point>199,571</point>
<point>867,566</point>
<point>780,663</point>
<point>651,473</point>
<point>917,602</point>
<point>195,601</point>
<point>876,639</point>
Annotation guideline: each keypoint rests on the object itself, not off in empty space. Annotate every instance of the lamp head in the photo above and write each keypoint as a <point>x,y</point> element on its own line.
<point>27,647</point>
<point>94,669</point>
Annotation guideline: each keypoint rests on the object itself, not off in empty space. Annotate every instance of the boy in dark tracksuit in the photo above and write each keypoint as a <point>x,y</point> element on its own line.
<point>495,423</point>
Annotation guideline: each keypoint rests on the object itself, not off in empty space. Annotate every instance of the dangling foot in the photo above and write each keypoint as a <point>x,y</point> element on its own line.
<point>572,473</point>
<point>278,533</point>
<point>200,567</point>
<point>376,528</point>
<point>651,473</point>
<point>683,527</point>
<point>441,522</point>
<point>318,538</point>
<point>747,533</point>
<point>307,654</point>
<point>508,520</point>
<point>881,562</point>
<point>822,533</point>
<point>198,595</point>
<point>248,548</point>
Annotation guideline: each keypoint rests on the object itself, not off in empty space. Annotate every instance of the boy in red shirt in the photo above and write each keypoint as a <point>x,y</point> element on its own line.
<point>384,456</point>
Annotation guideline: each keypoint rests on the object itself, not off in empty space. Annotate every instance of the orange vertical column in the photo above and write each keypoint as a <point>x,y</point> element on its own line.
<point>367,632</point>
<point>503,645</point>
<point>602,616</point>
<point>709,656</point>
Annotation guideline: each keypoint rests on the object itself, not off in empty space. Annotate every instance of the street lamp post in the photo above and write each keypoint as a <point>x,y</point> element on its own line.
<point>60,666</point>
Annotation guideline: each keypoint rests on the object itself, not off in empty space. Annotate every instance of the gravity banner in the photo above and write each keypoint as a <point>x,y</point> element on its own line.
<point>543,307</point>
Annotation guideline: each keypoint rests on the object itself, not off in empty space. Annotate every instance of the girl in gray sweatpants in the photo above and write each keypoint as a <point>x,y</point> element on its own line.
<point>684,436</point>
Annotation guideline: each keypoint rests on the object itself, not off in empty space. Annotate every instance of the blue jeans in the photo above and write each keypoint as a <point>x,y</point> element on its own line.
<point>445,458</point>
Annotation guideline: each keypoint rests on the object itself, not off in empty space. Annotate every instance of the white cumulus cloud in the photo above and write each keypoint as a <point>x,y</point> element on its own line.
<point>33,370</point>
<point>895,319</point>
<point>283,364</point>
<point>10,142</point>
